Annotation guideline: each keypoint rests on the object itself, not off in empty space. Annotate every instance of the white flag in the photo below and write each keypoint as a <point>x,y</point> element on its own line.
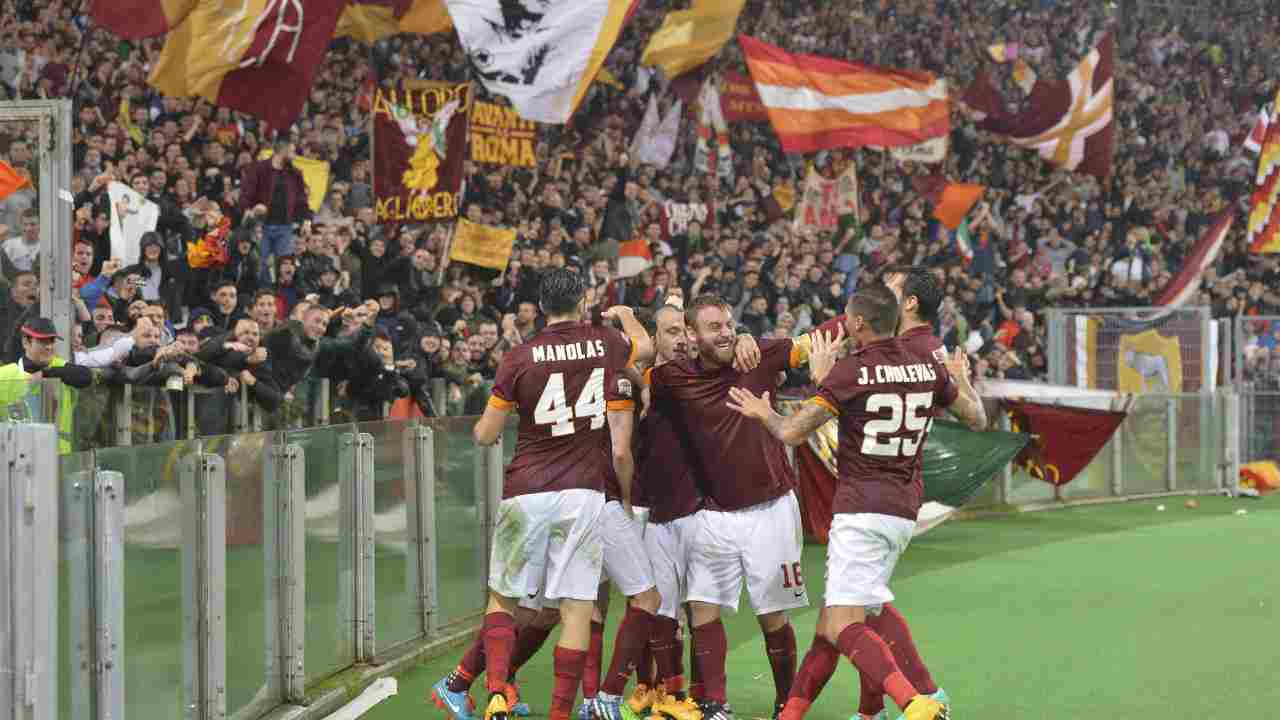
<point>648,127</point>
<point>131,216</point>
<point>542,55</point>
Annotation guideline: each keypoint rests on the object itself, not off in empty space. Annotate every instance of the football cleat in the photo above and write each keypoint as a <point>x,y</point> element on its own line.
<point>497,708</point>
<point>642,698</point>
<point>611,707</point>
<point>712,710</point>
<point>458,704</point>
<point>584,710</point>
<point>671,708</point>
<point>940,695</point>
<point>923,707</point>
<point>518,707</point>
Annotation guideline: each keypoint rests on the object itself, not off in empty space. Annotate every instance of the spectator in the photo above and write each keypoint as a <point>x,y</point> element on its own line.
<point>275,193</point>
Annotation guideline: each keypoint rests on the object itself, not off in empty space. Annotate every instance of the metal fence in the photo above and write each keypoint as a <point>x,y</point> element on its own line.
<point>1256,366</point>
<point>226,576</point>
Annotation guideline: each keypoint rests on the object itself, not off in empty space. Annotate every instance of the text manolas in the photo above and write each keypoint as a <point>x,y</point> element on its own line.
<point>501,137</point>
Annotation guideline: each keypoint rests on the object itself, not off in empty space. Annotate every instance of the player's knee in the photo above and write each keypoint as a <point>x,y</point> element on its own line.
<point>546,618</point>
<point>648,601</point>
<point>772,622</point>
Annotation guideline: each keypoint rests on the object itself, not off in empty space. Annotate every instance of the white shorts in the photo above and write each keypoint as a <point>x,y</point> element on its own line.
<point>668,548</point>
<point>548,543</point>
<point>626,563</point>
<point>761,544</point>
<point>862,551</point>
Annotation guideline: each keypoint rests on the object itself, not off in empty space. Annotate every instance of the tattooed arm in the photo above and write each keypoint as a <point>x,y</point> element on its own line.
<point>793,429</point>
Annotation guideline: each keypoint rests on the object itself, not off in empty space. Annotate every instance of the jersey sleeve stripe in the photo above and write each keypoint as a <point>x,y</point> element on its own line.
<point>635,351</point>
<point>800,351</point>
<point>500,404</point>
<point>648,377</point>
<point>822,403</point>
<point>621,404</point>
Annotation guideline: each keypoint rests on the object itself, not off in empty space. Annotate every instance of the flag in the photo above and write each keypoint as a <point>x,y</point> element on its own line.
<point>675,217</point>
<point>634,257</point>
<point>419,150</point>
<point>930,151</point>
<point>1064,440</point>
<point>314,172</point>
<point>1264,213</point>
<point>259,58</point>
<point>817,103</point>
<point>655,141</point>
<point>131,216</point>
<point>541,56</point>
<point>1202,256</point>
<point>951,201</point>
<point>11,181</point>
<point>711,119</point>
<point>372,21</point>
<point>964,242</point>
<point>138,19</point>
<point>1024,77</point>
<point>689,38</point>
<point>501,137</point>
<point>739,100</point>
<point>824,201</point>
<point>1253,143</point>
<point>1004,52</point>
<point>482,245</point>
<point>1069,122</point>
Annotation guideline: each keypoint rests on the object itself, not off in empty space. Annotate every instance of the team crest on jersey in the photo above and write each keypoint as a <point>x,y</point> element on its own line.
<point>624,387</point>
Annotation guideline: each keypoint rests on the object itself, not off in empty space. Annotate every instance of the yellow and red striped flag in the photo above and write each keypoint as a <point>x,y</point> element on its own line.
<point>1264,217</point>
<point>817,103</point>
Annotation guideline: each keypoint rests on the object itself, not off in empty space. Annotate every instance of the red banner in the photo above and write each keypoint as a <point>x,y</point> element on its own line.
<point>739,100</point>
<point>419,147</point>
<point>1064,440</point>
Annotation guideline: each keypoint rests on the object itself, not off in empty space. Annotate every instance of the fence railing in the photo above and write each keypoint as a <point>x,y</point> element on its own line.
<point>225,576</point>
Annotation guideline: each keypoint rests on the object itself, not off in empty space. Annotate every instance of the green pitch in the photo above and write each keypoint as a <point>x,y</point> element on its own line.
<point>1100,612</point>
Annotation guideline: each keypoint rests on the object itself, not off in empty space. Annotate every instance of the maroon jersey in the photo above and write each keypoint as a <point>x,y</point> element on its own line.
<point>832,326</point>
<point>921,342</point>
<point>667,481</point>
<point>885,395</point>
<point>738,460</point>
<point>562,382</point>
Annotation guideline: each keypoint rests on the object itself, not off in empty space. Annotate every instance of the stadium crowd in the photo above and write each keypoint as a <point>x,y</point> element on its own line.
<point>378,311</point>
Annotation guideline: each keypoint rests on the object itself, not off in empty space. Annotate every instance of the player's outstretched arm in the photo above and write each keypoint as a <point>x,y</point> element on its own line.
<point>968,405</point>
<point>792,430</point>
<point>488,428</point>
<point>621,429</point>
<point>643,344</point>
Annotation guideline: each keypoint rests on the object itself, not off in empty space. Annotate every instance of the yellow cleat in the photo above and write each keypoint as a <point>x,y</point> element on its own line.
<point>642,698</point>
<point>497,708</point>
<point>668,708</point>
<point>923,707</point>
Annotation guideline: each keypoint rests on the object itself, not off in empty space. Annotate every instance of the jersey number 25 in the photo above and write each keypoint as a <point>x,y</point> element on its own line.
<point>909,412</point>
<point>553,409</point>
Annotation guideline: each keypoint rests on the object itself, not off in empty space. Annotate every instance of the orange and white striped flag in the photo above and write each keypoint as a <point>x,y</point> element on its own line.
<point>817,103</point>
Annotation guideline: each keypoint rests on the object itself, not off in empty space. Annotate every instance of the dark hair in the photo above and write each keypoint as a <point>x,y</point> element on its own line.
<point>921,283</point>
<point>219,284</point>
<point>261,294</point>
<point>877,305</point>
<point>561,291</point>
<point>699,303</point>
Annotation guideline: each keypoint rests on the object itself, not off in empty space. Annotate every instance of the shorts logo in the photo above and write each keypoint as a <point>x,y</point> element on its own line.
<point>624,387</point>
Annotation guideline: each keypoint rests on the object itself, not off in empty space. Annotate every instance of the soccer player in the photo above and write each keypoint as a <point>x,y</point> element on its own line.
<point>750,529</point>
<point>565,384</point>
<point>885,396</point>
<point>667,479</point>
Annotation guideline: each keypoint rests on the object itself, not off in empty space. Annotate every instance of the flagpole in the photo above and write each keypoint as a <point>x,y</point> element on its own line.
<point>444,256</point>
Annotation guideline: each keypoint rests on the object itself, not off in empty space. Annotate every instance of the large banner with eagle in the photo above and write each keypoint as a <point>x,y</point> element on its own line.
<point>419,147</point>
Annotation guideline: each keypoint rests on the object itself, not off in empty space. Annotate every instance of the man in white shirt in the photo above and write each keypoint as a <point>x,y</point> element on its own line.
<point>23,250</point>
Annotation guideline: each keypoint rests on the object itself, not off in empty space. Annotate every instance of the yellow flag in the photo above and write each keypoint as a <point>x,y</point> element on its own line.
<point>608,78</point>
<point>314,172</point>
<point>371,23</point>
<point>689,38</point>
<point>482,245</point>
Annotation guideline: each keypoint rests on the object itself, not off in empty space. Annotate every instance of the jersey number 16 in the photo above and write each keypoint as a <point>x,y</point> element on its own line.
<point>909,412</point>
<point>553,409</point>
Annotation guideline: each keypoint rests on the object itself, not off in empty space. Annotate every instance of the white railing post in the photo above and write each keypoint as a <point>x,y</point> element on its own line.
<point>108,585</point>
<point>283,522</point>
<point>420,497</point>
<point>204,540</point>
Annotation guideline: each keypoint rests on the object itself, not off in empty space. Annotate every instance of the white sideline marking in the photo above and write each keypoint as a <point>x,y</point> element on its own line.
<point>380,690</point>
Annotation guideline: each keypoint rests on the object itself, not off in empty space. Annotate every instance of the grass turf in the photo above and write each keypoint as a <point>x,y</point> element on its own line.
<point>1102,611</point>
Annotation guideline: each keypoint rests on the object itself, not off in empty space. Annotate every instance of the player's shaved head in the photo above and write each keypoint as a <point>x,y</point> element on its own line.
<point>668,333</point>
<point>561,291</point>
<point>877,306</point>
